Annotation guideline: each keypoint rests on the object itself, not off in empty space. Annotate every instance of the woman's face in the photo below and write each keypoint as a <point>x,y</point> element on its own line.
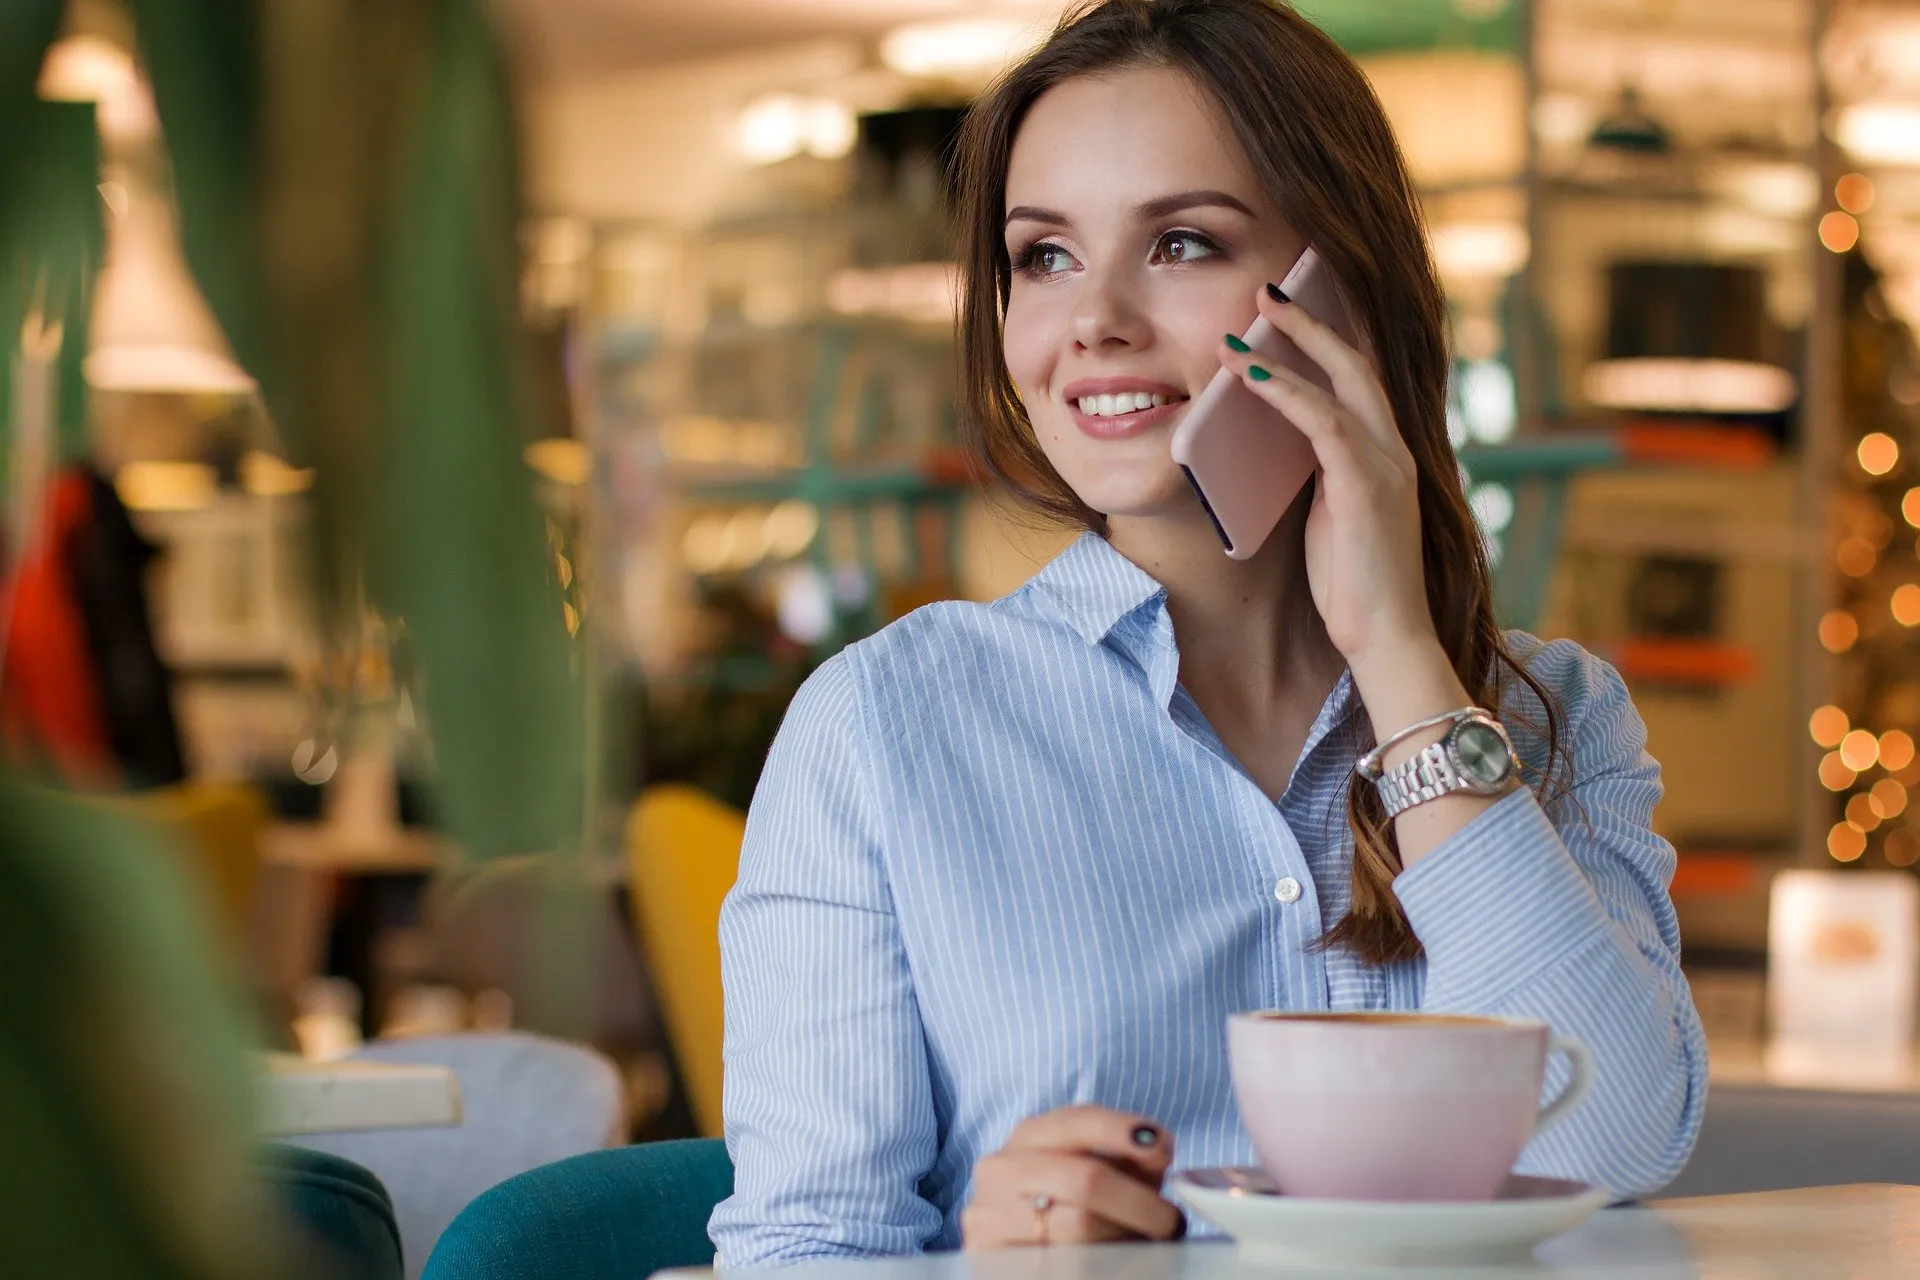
<point>1138,237</point>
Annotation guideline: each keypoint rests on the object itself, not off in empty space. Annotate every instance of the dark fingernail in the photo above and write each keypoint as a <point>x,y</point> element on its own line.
<point>1237,345</point>
<point>1145,1136</point>
<point>1257,373</point>
<point>1274,292</point>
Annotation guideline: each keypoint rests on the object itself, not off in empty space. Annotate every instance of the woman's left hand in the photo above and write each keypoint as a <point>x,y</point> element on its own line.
<point>1363,532</point>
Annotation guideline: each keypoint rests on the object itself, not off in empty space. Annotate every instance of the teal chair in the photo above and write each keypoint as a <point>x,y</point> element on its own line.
<point>620,1214</point>
<point>342,1215</point>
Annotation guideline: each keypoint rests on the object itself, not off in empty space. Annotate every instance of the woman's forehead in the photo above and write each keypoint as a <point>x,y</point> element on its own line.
<point>1143,130</point>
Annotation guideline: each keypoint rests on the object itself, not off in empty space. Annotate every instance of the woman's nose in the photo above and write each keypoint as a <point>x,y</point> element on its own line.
<point>1107,316</point>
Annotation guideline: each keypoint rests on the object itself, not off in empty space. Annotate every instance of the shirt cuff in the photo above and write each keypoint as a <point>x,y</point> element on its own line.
<point>1500,900</point>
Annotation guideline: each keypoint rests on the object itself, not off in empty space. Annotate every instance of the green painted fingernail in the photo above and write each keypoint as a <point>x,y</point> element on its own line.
<point>1237,345</point>
<point>1258,374</point>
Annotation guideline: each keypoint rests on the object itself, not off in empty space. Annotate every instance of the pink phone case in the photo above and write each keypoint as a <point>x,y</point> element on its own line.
<point>1246,462</point>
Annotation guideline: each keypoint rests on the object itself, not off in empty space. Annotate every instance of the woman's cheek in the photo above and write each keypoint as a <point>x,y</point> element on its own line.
<point>1028,352</point>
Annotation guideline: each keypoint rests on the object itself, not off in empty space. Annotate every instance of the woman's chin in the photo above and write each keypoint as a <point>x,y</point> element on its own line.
<point>1161,500</point>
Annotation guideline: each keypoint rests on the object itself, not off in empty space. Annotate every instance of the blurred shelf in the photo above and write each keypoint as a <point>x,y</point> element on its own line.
<point>938,473</point>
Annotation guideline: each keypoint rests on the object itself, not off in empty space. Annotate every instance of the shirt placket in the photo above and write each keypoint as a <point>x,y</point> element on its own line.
<point>1279,871</point>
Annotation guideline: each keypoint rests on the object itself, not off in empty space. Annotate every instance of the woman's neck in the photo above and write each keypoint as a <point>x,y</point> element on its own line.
<point>1251,640</point>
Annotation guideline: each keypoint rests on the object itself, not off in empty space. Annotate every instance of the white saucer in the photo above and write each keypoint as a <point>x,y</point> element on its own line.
<point>1271,1227</point>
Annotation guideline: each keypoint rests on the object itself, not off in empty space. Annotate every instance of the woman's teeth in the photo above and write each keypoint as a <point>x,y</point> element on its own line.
<point>1125,402</point>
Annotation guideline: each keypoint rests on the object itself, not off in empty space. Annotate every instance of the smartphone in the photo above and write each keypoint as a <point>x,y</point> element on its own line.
<point>1244,459</point>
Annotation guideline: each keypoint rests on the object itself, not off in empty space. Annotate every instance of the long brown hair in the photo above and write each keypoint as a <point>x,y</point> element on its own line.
<point>1325,155</point>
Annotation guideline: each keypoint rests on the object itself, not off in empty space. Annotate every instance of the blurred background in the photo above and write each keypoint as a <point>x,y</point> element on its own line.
<point>313,567</point>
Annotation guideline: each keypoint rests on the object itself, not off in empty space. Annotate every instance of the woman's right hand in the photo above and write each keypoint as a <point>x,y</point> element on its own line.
<point>1078,1175</point>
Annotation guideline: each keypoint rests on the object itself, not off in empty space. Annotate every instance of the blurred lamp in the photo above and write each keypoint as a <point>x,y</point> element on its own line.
<point>152,330</point>
<point>1479,250</point>
<point>781,125</point>
<point>1879,132</point>
<point>964,47</point>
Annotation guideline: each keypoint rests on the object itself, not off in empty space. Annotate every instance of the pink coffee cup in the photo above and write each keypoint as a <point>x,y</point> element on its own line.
<point>1395,1106</point>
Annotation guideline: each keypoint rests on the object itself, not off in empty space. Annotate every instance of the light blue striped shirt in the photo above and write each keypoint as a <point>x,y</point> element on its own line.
<point>998,863</point>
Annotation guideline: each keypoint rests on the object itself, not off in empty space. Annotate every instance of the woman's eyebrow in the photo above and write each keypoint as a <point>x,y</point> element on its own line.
<point>1159,207</point>
<point>1166,205</point>
<point>1033,213</point>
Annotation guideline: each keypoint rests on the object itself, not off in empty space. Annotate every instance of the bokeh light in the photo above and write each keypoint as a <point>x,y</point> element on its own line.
<point>1860,750</point>
<point>1846,842</point>
<point>1854,192</point>
<point>1861,813</point>
<point>1839,232</point>
<point>1834,773</point>
<point>1896,750</point>
<point>1838,630</point>
<point>1878,453</point>
<point>1828,725</point>
<point>1888,798</point>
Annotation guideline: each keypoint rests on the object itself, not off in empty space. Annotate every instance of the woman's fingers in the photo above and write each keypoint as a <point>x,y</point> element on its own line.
<point>1132,1140</point>
<point>1355,382</point>
<point>1084,1183</point>
<point>1320,417</point>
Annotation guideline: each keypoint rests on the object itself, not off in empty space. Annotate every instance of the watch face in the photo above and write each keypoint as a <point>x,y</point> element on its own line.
<point>1481,755</point>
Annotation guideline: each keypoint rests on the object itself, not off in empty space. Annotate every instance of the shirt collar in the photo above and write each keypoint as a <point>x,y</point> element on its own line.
<point>1096,587</point>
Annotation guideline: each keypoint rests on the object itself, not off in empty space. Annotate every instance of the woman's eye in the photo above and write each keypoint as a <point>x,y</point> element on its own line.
<point>1183,246</point>
<point>1044,259</point>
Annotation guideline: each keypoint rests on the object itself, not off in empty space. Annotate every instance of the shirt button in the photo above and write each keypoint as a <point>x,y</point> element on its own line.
<point>1287,890</point>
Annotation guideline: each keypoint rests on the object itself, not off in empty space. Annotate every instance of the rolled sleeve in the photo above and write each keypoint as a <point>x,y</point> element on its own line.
<point>828,1104</point>
<point>1562,913</point>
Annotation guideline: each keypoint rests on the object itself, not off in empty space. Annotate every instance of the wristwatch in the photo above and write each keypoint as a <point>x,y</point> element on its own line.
<point>1476,757</point>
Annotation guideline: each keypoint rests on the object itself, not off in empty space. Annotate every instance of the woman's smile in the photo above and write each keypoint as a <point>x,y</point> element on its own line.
<point>1117,408</point>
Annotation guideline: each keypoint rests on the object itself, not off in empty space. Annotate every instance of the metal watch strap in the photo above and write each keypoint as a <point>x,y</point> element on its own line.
<point>1427,776</point>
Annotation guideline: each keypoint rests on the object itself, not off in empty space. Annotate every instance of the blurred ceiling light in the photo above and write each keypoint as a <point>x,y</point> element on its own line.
<point>152,330</point>
<point>559,459</point>
<point>781,125</point>
<point>266,476</point>
<point>165,486</point>
<point>1689,386</point>
<point>1630,127</point>
<point>967,47</point>
<point>922,291</point>
<point>1879,132</point>
<point>1480,250</point>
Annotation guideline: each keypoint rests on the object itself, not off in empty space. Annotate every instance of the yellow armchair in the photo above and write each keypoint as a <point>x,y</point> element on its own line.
<point>683,853</point>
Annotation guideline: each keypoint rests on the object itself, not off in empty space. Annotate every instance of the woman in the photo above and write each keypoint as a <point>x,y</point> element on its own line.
<point>1011,866</point>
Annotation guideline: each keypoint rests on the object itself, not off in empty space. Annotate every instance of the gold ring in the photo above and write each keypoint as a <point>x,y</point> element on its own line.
<point>1041,1204</point>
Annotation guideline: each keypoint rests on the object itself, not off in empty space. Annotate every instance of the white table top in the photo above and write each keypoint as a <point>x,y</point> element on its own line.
<point>1839,1232</point>
<point>298,1096</point>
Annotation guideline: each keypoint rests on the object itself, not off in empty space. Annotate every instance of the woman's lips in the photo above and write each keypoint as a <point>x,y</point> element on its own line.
<point>1121,425</point>
<point>1099,406</point>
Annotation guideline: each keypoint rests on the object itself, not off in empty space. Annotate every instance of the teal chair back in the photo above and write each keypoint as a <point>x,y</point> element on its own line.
<point>620,1214</point>
<point>342,1215</point>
